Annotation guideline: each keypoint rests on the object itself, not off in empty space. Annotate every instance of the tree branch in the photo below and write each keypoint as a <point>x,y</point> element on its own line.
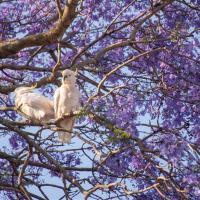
<point>10,47</point>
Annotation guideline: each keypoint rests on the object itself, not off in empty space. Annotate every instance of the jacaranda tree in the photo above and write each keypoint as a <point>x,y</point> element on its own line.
<point>137,135</point>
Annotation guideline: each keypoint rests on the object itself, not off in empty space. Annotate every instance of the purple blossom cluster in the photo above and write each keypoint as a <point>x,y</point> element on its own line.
<point>138,135</point>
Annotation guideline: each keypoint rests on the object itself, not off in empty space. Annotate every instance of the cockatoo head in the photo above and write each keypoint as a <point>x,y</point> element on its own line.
<point>69,77</point>
<point>23,90</point>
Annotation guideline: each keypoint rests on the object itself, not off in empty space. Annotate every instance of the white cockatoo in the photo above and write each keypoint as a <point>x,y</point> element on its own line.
<point>66,101</point>
<point>32,105</point>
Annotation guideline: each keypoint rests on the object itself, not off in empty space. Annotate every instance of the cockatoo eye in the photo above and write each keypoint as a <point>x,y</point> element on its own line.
<point>67,76</point>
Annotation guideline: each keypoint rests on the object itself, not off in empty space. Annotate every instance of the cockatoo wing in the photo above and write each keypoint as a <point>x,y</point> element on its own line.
<point>78,104</point>
<point>37,101</point>
<point>56,103</point>
<point>35,106</point>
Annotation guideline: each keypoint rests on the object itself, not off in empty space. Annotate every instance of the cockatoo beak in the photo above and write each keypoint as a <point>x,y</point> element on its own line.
<point>63,79</point>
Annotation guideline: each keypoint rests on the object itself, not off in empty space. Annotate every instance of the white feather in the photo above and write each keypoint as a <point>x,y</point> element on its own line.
<point>32,105</point>
<point>66,100</point>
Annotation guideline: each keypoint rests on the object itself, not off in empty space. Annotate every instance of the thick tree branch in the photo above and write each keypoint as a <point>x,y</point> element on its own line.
<point>8,48</point>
